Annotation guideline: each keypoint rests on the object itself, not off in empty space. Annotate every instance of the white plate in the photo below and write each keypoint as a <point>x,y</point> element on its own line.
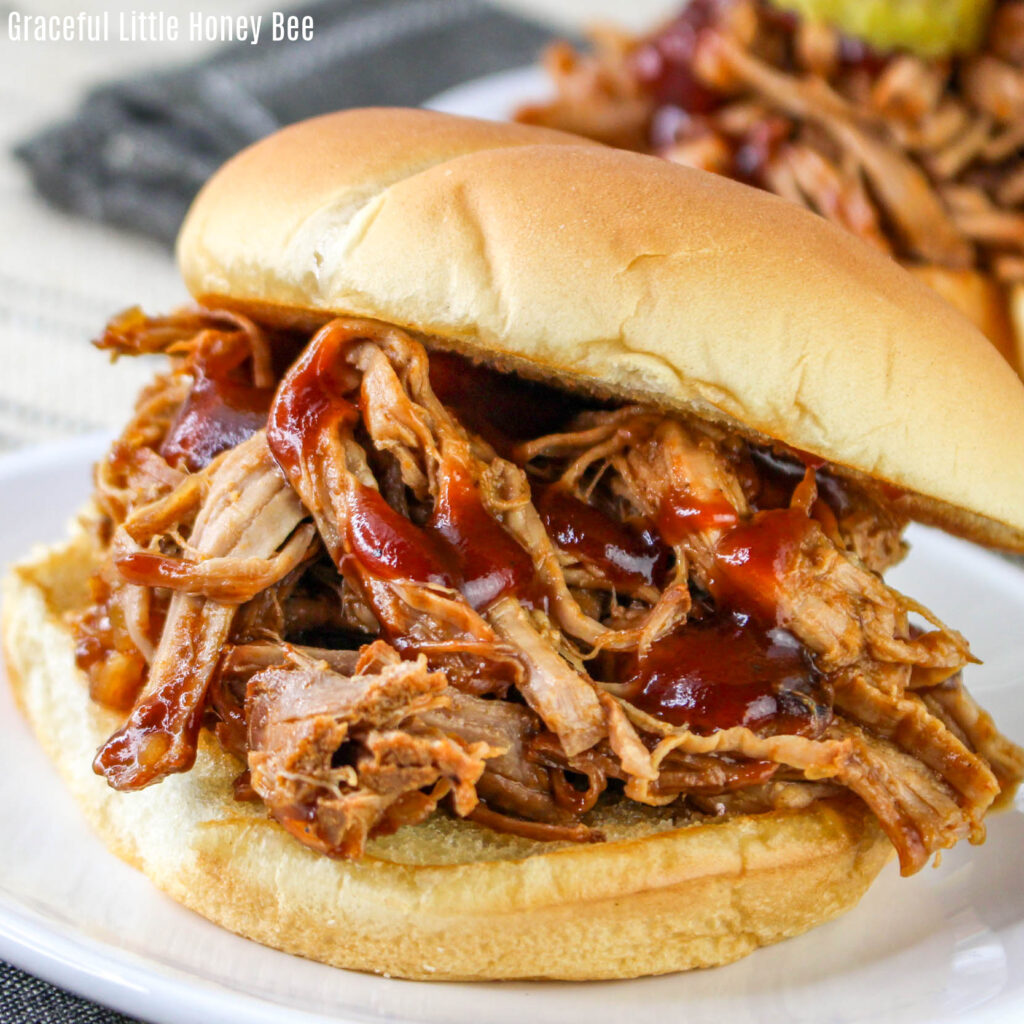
<point>946,944</point>
<point>494,97</point>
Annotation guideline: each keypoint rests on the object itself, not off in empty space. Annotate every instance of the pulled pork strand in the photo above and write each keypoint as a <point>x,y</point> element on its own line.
<point>340,759</point>
<point>248,512</point>
<point>837,608</point>
<point>962,715</point>
<point>436,459</point>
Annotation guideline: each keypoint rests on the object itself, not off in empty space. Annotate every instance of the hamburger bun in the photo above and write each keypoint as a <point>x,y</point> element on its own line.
<point>627,276</point>
<point>987,303</point>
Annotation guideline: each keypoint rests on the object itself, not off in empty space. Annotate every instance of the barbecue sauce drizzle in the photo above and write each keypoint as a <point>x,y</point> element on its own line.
<point>735,665</point>
<point>728,670</point>
<point>491,564</point>
<point>627,558</point>
<point>461,546</point>
<point>223,407</point>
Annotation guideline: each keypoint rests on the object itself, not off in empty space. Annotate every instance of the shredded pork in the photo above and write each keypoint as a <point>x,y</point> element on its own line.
<point>381,615</point>
<point>338,758</point>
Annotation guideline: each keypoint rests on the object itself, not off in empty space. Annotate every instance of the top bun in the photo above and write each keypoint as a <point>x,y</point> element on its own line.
<point>624,275</point>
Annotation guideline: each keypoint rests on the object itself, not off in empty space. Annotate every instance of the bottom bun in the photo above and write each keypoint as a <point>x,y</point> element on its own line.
<point>446,899</point>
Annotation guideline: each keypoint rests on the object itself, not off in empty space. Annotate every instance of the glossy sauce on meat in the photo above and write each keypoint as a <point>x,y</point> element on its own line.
<point>221,411</point>
<point>776,477</point>
<point>626,558</point>
<point>461,546</point>
<point>753,556</point>
<point>149,569</point>
<point>737,666</point>
<point>391,547</point>
<point>728,670</point>
<point>147,737</point>
<point>491,564</point>
<point>500,407</point>
<point>105,651</point>
<point>310,401</point>
<point>682,513</point>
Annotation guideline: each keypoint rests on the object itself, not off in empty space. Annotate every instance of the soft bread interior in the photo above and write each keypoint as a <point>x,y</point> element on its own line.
<point>446,899</point>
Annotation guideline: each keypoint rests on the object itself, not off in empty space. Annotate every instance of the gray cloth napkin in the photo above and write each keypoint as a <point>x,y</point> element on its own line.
<point>27,1000</point>
<point>136,152</point>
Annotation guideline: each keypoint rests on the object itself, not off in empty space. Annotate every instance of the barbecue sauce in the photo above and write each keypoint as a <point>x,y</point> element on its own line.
<point>159,737</point>
<point>491,563</point>
<point>221,411</point>
<point>104,651</point>
<point>626,558</point>
<point>736,666</point>
<point>461,546</point>
<point>149,569</point>
<point>663,65</point>
<point>309,401</point>
<point>775,477</point>
<point>682,513</point>
<point>500,407</point>
<point>751,558</point>
<point>389,546</point>
<point>728,670</point>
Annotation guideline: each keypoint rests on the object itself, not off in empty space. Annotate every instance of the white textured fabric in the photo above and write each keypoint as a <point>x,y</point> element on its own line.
<point>61,277</point>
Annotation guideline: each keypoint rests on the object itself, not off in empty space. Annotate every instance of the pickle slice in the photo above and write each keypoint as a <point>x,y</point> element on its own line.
<point>931,28</point>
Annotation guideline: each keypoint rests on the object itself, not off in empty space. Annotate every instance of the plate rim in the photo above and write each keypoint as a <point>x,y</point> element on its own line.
<point>129,983</point>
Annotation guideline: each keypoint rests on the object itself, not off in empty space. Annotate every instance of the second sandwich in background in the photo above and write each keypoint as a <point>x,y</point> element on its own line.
<point>906,131</point>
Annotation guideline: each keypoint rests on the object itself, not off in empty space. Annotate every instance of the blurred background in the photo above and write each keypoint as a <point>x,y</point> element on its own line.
<point>900,120</point>
<point>62,274</point>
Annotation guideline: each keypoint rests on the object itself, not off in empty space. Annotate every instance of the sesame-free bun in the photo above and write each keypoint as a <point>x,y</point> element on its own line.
<point>445,899</point>
<point>623,275</point>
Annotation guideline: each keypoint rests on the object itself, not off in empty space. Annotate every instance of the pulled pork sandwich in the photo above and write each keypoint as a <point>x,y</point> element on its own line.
<point>493,579</point>
<point>870,114</point>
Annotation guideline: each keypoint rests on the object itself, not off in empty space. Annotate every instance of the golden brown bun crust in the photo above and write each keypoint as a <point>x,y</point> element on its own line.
<point>626,274</point>
<point>444,899</point>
